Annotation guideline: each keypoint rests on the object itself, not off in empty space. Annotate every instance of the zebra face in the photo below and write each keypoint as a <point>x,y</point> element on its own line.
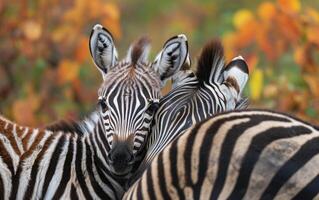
<point>130,93</point>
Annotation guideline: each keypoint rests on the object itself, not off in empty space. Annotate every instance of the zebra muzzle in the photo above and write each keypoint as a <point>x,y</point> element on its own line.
<point>121,160</point>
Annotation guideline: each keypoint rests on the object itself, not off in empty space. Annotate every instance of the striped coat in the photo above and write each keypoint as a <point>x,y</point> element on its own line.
<point>252,154</point>
<point>214,88</point>
<point>92,158</point>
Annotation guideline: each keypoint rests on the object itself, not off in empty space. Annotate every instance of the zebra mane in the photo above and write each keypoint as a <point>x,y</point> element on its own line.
<point>69,126</point>
<point>139,50</point>
<point>211,62</point>
<point>80,127</point>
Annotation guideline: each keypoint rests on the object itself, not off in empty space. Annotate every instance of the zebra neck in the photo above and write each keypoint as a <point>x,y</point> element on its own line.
<point>94,135</point>
<point>90,123</point>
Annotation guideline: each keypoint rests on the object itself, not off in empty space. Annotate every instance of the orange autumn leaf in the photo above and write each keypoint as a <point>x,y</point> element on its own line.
<point>290,5</point>
<point>299,55</point>
<point>313,84</point>
<point>252,61</point>
<point>312,16</point>
<point>28,107</point>
<point>112,17</point>
<point>267,11</point>
<point>82,52</point>
<point>289,27</point>
<point>114,27</point>
<point>246,35</point>
<point>242,18</point>
<point>229,42</point>
<point>246,26</point>
<point>313,34</point>
<point>67,71</point>
<point>61,33</point>
<point>75,14</point>
<point>32,30</point>
<point>111,10</point>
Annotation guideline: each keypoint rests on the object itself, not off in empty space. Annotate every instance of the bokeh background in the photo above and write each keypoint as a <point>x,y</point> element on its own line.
<point>46,72</point>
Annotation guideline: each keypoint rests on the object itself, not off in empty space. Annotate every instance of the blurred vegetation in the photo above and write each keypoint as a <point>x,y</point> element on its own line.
<point>46,72</point>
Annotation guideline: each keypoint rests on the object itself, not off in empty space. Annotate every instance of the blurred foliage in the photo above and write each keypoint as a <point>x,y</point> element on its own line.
<point>281,43</point>
<point>46,72</point>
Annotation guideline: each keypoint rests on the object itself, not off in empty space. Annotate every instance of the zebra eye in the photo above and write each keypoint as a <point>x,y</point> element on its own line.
<point>153,107</point>
<point>103,104</point>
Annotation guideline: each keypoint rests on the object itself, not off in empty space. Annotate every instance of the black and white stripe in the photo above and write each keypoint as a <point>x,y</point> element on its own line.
<point>54,164</point>
<point>130,93</point>
<point>92,159</point>
<point>251,154</point>
<point>214,88</point>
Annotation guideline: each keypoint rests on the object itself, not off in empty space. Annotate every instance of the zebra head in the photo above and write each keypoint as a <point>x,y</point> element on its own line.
<point>130,93</point>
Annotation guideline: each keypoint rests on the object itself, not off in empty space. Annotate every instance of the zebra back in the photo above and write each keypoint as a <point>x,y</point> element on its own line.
<point>251,154</point>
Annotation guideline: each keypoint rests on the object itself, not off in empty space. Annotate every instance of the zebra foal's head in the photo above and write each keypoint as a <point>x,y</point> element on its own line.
<point>130,93</point>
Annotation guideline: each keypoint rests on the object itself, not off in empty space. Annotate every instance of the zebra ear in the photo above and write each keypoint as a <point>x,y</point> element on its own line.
<point>236,74</point>
<point>173,55</point>
<point>102,49</point>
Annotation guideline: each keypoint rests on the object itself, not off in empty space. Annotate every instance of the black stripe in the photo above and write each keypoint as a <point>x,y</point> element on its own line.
<point>161,177</point>
<point>73,194</point>
<point>100,168</point>
<point>217,101</point>
<point>256,147</point>
<point>150,184</point>
<point>35,168</point>
<point>15,179</point>
<point>205,149</point>
<point>188,153</point>
<point>174,170</point>
<point>78,169</point>
<point>137,140</point>
<point>305,153</point>
<point>89,167</point>
<point>139,190</point>
<point>98,145</point>
<point>15,183</point>
<point>12,139</point>
<point>66,171</point>
<point>2,189</point>
<point>229,143</point>
<point>103,138</point>
<point>6,158</point>
<point>310,191</point>
<point>52,165</point>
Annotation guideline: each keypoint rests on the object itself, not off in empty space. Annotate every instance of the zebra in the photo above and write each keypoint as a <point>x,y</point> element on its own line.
<point>91,158</point>
<point>214,88</point>
<point>242,154</point>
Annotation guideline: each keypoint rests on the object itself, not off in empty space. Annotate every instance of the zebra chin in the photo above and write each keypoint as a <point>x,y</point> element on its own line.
<point>121,171</point>
<point>121,160</point>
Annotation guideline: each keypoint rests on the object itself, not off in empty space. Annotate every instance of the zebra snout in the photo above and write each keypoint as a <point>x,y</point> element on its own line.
<point>121,160</point>
<point>121,157</point>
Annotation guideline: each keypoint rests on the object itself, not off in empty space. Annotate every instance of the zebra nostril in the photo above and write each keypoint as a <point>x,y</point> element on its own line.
<point>110,158</point>
<point>131,160</point>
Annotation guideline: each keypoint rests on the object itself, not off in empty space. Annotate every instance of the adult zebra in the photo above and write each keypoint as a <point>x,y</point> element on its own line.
<point>213,89</point>
<point>91,158</point>
<point>252,154</point>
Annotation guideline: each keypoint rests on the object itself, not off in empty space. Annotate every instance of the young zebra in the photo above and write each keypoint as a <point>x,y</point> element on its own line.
<point>91,158</point>
<point>252,154</point>
<point>195,97</point>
